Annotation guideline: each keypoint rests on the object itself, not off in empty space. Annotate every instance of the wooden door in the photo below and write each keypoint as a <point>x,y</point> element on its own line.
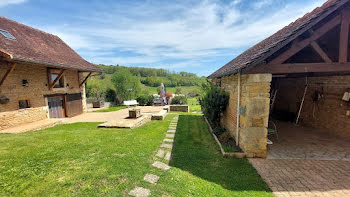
<point>56,107</point>
<point>74,104</point>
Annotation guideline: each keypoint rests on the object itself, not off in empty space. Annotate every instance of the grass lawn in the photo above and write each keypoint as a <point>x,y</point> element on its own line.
<point>200,170</point>
<point>194,105</point>
<point>78,160</point>
<point>110,109</point>
<point>81,160</point>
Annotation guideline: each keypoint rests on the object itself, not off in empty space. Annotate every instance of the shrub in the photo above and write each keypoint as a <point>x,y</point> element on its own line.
<point>145,100</point>
<point>192,94</point>
<point>179,100</point>
<point>218,131</point>
<point>213,103</point>
<point>110,95</point>
<point>178,91</point>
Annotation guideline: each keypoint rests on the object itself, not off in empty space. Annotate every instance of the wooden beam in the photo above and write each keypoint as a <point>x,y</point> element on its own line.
<point>299,45</point>
<point>8,72</point>
<point>49,80</point>
<point>300,68</point>
<point>86,78</point>
<point>344,37</point>
<point>319,50</point>
<point>60,75</point>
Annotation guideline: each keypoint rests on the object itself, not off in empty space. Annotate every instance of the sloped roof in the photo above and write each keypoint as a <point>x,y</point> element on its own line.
<point>258,53</point>
<point>33,45</point>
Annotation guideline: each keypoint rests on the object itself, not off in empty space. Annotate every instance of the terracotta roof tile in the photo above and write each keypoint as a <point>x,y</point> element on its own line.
<point>258,53</point>
<point>33,45</point>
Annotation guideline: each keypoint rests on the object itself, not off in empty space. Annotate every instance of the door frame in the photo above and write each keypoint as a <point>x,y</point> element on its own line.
<point>64,106</point>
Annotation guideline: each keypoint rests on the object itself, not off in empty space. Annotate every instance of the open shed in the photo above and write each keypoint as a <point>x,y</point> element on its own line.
<point>295,83</point>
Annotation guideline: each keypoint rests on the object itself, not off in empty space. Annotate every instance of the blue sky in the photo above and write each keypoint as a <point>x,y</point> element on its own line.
<point>178,35</point>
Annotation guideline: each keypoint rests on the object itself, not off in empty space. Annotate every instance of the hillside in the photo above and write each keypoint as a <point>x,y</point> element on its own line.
<point>150,79</point>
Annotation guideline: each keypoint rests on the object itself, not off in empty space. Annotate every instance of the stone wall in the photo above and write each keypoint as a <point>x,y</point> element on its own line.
<point>180,108</point>
<point>14,118</point>
<point>36,76</point>
<point>330,112</point>
<point>254,111</point>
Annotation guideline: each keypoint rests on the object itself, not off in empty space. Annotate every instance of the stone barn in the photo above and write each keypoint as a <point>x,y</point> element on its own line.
<point>290,93</point>
<point>40,76</point>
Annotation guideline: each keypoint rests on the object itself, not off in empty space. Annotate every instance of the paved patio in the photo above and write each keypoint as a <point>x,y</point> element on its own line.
<point>306,162</point>
<point>297,142</point>
<point>110,116</point>
<point>305,177</point>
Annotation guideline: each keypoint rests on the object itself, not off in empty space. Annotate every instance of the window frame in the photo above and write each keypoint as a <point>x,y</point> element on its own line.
<point>26,106</point>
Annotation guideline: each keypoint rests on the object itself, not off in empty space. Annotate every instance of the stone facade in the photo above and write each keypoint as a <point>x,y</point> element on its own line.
<point>35,92</point>
<point>329,112</point>
<point>254,111</point>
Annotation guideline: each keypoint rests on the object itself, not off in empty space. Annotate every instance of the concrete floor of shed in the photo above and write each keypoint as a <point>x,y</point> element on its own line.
<point>298,142</point>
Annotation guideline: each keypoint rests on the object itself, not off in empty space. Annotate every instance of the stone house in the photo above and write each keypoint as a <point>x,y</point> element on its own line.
<point>300,74</point>
<point>40,76</point>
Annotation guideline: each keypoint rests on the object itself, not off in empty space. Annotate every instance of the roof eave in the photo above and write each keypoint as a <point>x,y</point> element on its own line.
<point>55,65</point>
<point>260,60</point>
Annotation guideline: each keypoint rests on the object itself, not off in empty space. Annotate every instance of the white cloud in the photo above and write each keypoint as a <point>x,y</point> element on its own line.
<point>4,3</point>
<point>261,3</point>
<point>187,32</point>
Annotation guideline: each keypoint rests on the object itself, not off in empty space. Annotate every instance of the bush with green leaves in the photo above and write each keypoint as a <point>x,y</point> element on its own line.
<point>178,90</point>
<point>110,95</point>
<point>214,102</point>
<point>145,100</point>
<point>179,100</point>
<point>126,85</point>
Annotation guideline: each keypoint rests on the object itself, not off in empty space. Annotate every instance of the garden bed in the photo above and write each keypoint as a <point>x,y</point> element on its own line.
<point>228,148</point>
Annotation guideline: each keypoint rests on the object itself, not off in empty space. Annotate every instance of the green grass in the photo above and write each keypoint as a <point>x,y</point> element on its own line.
<point>200,170</point>
<point>110,109</point>
<point>194,104</point>
<point>81,160</point>
<point>78,160</point>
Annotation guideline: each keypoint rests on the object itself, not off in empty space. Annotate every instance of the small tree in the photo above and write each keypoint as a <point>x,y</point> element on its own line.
<point>126,85</point>
<point>213,103</point>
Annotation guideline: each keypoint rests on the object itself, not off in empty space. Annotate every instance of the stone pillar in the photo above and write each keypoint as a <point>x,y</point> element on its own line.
<point>83,98</point>
<point>254,114</point>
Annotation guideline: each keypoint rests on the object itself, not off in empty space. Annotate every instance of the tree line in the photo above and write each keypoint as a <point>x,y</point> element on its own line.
<point>119,83</point>
<point>154,77</point>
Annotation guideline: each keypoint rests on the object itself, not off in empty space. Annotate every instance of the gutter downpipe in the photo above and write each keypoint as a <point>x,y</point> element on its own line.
<point>238,106</point>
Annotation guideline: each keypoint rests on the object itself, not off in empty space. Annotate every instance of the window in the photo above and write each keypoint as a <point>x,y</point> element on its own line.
<point>23,104</point>
<point>59,83</point>
<point>7,35</point>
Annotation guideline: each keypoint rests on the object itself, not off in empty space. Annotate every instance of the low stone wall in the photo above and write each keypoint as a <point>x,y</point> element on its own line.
<point>15,118</point>
<point>180,108</point>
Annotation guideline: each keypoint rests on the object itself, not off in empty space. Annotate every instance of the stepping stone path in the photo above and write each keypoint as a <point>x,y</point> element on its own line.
<point>140,192</point>
<point>151,178</point>
<point>171,131</point>
<point>162,154</point>
<point>168,156</point>
<point>168,140</point>
<point>170,135</point>
<point>161,165</point>
<point>170,146</point>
